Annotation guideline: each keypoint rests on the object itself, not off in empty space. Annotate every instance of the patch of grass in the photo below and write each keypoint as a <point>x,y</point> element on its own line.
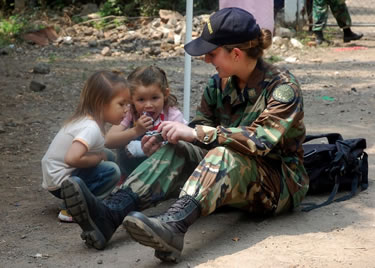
<point>273,59</point>
<point>84,56</point>
<point>99,24</point>
<point>52,57</point>
<point>304,37</point>
<point>57,29</point>
<point>331,33</point>
<point>118,22</point>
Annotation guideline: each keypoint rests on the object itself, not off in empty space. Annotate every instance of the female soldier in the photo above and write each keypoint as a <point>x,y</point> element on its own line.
<point>242,149</point>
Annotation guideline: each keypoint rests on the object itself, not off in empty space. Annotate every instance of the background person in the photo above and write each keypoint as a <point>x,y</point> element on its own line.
<point>340,12</point>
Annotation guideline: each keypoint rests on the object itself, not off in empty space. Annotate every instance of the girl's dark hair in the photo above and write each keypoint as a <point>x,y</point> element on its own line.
<point>151,75</point>
<point>98,91</point>
<point>254,48</point>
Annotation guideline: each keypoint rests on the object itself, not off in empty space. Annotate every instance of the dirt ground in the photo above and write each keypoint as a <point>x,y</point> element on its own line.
<point>339,95</point>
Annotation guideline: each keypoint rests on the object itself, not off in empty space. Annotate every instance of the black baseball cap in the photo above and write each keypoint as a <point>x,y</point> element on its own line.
<point>227,26</point>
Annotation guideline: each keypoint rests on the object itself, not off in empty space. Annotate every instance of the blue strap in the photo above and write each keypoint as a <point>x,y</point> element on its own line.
<point>352,192</point>
<point>311,206</point>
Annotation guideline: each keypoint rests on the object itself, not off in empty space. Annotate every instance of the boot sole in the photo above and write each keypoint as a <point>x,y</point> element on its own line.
<point>77,207</point>
<point>144,235</point>
<point>349,40</point>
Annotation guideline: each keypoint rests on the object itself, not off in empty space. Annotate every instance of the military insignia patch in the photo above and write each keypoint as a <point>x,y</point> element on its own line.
<point>252,93</point>
<point>283,93</point>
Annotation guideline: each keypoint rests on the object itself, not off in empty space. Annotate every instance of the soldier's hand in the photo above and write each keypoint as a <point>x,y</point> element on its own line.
<point>176,131</point>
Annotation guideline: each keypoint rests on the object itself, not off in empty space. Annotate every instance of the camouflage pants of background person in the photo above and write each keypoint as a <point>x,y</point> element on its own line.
<point>339,11</point>
<point>215,178</point>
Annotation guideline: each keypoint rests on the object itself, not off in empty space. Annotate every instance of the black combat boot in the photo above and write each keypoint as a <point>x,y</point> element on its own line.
<point>350,36</point>
<point>164,233</point>
<point>319,37</point>
<point>98,219</point>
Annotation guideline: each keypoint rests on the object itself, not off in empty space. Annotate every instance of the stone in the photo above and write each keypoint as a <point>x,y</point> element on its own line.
<point>67,40</point>
<point>41,68</point>
<point>92,43</point>
<point>36,86</point>
<point>106,51</point>
<point>166,15</point>
<point>3,51</point>
<point>295,43</point>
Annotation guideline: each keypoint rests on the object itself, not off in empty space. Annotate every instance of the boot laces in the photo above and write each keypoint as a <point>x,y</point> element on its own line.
<point>181,214</point>
<point>179,205</point>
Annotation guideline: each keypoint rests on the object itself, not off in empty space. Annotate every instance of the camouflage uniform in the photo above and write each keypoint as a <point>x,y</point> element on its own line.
<point>339,11</point>
<point>248,153</point>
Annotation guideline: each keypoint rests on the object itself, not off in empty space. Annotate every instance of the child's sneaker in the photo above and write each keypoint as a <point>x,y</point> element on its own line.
<point>64,216</point>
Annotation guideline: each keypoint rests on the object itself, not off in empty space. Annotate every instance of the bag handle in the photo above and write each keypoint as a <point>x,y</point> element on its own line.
<point>360,176</point>
<point>311,206</point>
<point>332,137</point>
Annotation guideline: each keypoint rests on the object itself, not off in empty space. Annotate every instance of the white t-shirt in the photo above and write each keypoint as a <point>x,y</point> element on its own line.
<point>55,171</point>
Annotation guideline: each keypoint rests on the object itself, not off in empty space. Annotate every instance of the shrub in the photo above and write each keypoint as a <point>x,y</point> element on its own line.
<point>11,28</point>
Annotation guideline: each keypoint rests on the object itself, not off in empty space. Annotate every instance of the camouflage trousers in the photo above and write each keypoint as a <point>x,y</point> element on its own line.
<point>215,178</point>
<point>339,10</point>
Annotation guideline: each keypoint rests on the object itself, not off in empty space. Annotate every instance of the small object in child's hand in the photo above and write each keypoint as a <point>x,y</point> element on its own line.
<point>149,115</point>
<point>156,134</point>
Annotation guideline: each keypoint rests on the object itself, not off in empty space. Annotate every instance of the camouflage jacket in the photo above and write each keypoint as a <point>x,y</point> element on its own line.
<point>265,119</point>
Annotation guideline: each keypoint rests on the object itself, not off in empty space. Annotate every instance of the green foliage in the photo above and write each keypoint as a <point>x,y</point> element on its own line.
<point>52,57</point>
<point>273,58</point>
<point>77,19</point>
<point>56,4</point>
<point>98,24</point>
<point>150,8</point>
<point>304,37</point>
<point>111,7</point>
<point>330,33</point>
<point>129,8</point>
<point>118,22</point>
<point>11,28</point>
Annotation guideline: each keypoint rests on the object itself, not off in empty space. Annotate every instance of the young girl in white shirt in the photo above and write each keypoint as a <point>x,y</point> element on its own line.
<point>78,148</point>
<point>152,103</point>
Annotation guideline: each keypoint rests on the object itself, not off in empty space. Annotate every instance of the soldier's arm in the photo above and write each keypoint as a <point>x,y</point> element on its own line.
<point>205,114</point>
<point>284,110</point>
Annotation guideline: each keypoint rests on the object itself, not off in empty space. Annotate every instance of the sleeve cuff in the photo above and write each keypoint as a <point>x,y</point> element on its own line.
<point>205,134</point>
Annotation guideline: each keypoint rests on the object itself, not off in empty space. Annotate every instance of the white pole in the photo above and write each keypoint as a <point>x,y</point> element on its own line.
<point>187,71</point>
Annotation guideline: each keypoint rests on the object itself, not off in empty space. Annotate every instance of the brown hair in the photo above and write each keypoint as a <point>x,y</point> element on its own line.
<point>151,75</point>
<point>98,91</point>
<point>254,48</point>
